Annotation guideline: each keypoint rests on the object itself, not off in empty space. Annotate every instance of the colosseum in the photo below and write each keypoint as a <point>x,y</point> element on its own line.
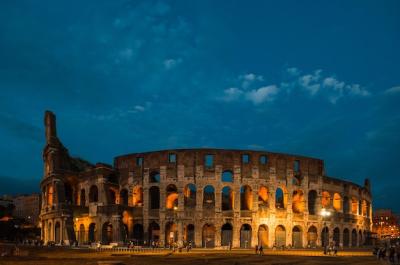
<point>209,197</point>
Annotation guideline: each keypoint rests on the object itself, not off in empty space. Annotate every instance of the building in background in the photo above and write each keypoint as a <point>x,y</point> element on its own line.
<point>27,207</point>
<point>386,224</point>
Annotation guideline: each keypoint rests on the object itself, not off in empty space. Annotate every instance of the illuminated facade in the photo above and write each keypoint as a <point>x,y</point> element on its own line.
<point>211,197</point>
<point>386,224</point>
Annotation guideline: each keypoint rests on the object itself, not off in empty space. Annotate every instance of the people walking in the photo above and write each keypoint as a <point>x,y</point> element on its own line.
<point>261,250</point>
<point>256,249</point>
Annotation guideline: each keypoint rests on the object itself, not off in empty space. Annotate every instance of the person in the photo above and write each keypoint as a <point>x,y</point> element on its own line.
<point>398,252</point>
<point>256,249</point>
<point>261,250</point>
<point>230,246</point>
<point>391,254</point>
<point>335,250</point>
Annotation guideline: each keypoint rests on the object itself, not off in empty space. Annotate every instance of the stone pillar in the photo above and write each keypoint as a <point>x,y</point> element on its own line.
<point>117,229</point>
<point>217,235</point>
<point>271,235</point>
<point>198,234</point>
<point>199,199</point>
<point>236,230</point>
<point>163,239</point>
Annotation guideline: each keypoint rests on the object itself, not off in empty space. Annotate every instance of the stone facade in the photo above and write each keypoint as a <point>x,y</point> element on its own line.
<point>211,197</point>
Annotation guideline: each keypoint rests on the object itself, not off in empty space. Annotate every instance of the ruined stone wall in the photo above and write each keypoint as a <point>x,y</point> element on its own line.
<point>210,197</point>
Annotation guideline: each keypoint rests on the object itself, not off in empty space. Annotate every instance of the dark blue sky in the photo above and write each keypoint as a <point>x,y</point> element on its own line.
<point>317,78</point>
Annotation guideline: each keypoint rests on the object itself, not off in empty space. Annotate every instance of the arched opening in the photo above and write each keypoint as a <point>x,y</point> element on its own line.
<point>209,197</point>
<point>112,196</point>
<point>336,236</point>
<point>297,237</point>
<point>263,235</point>
<point>92,232</point>
<point>49,233</point>
<point>171,233</point>
<point>346,238</point>
<point>208,236</point>
<point>93,194</point>
<point>246,198</point>
<point>227,176</point>
<point>245,236</point>
<point>154,198</point>
<point>263,197</point>
<point>171,197</point>
<point>326,199</point>
<point>354,206</point>
<point>227,199</point>
<point>125,232</point>
<point>312,202</point>
<point>82,198</point>
<point>50,194</point>
<point>138,234</point>
<point>346,205</point>
<point>312,236</point>
<point>337,201</point>
<point>280,236</point>
<point>360,238</point>
<point>154,232</point>
<point>189,234</point>
<point>325,236</point>
<point>280,200</point>
<point>137,196</point>
<point>364,208</point>
<point>154,177</point>
<point>68,193</point>
<point>81,235</point>
<point>226,234</point>
<point>354,238</point>
<point>123,197</point>
<point>298,203</point>
<point>107,233</point>
<point>190,196</point>
<point>57,232</point>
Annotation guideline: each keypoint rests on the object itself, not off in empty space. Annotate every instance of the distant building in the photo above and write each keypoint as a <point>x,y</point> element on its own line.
<point>27,207</point>
<point>386,224</point>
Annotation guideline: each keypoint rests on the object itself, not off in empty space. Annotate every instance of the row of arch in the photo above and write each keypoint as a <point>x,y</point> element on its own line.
<point>227,200</point>
<point>348,237</point>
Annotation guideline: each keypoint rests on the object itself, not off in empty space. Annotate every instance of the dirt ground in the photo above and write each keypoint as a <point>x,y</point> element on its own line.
<point>58,256</point>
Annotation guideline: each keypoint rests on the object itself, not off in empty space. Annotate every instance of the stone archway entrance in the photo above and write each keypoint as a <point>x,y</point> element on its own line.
<point>226,234</point>
<point>245,236</point>
<point>297,237</point>
<point>107,233</point>
<point>57,232</point>
<point>92,234</point>
<point>208,239</point>
<point>280,236</point>
<point>312,236</point>
<point>263,236</point>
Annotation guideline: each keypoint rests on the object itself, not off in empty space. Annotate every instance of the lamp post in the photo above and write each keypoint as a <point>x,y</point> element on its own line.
<point>325,213</point>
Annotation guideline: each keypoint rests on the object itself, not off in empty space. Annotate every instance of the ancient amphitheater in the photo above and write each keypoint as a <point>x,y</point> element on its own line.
<point>210,197</point>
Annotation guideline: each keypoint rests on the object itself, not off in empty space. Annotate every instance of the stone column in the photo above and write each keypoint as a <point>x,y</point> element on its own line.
<point>236,230</point>
<point>117,229</point>
<point>217,234</point>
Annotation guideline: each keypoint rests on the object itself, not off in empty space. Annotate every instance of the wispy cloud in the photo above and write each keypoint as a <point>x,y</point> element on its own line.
<point>171,63</point>
<point>314,84</point>
<point>262,94</point>
<point>393,90</point>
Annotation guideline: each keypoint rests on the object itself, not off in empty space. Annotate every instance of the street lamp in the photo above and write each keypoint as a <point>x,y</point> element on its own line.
<point>325,213</point>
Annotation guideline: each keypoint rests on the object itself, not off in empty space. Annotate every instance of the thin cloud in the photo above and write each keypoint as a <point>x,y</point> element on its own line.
<point>393,90</point>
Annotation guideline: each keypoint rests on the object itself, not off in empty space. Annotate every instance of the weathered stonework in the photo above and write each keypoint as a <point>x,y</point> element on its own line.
<point>211,197</point>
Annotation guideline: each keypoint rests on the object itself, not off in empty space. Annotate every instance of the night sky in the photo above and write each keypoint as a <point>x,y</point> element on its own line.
<point>315,78</point>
